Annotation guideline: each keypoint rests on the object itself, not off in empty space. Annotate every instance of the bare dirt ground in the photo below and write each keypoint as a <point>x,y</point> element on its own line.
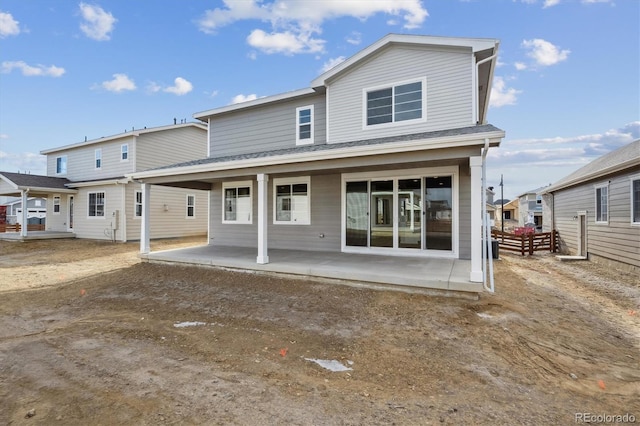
<point>88,336</point>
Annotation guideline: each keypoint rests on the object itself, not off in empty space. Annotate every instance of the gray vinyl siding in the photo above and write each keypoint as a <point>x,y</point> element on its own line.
<point>448,91</point>
<point>58,221</point>
<point>464,210</point>
<point>168,147</point>
<point>81,161</point>
<point>618,240</point>
<point>266,128</point>
<point>171,222</point>
<point>325,219</point>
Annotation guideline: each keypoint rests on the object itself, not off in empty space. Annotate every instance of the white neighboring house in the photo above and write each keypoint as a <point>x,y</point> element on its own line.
<point>88,194</point>
<point>36,210</point>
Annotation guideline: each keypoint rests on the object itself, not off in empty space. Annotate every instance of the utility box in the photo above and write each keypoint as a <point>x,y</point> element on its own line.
<point>115,222</point>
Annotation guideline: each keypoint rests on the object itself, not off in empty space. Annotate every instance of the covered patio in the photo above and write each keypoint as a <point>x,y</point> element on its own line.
<point>430,275</point>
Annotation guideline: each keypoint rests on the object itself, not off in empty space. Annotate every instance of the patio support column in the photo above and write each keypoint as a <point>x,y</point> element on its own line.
<point>145,246</point>
<point>263,256</point>
<point>25,211</point>
<point>476,219</point>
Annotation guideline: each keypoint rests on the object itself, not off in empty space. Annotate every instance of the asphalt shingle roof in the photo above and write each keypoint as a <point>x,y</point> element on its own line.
<point>36,181</point>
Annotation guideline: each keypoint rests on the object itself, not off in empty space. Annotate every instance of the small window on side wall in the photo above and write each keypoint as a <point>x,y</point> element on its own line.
<point>98,158</point>
<point>635,201</point>
<point>56,205</point>
<point>602,204</point>
<point>138,204</point>
<point>61,165</point>
<point>304,125</point>
<point>191,206</point>
<point>124,152</point>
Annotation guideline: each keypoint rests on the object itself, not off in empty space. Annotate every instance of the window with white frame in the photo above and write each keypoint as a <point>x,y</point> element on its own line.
<point>61,165</point>
<point>292,201</point>
<point>237,202</point>
<point>56,205</point>
<point>138,205</point>
<point>124,152</point>
<point>395,103</point>
<point>304,125</point>
<point>191,205</point>
<point>99,158</point>
<point>96,204</point>
<point>602,204</point>
<point>635,200</point>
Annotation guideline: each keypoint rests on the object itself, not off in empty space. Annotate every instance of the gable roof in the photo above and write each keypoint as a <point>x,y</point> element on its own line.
<point>124,135</point>
<point>35,183</point>
<point>622,158</point>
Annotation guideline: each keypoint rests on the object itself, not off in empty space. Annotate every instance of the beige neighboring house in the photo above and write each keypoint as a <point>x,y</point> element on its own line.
<point>89,196</point>
<point>596,209</point>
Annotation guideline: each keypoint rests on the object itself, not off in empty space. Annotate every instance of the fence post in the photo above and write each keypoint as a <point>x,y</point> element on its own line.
<point>530,244</point>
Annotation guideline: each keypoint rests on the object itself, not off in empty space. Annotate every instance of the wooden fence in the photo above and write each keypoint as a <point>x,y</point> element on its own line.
<point>16,228</point>
<point>527,242</point>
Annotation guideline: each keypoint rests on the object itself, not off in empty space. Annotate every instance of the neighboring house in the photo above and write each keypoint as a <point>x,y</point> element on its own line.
<point>596,209</point>
<point>99,202</point>
<point>36,210</point>
<point>509,212</point>
<point>530,209</point>
<point>381,155</point>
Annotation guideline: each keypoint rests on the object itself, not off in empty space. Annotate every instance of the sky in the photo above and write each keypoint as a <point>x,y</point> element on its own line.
<point>566,88</point>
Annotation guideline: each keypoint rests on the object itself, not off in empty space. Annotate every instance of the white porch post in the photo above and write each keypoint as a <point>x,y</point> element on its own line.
<point>25,211</point>
<point>476,219</point>
<point>263,211</point>
<point>145,246</point>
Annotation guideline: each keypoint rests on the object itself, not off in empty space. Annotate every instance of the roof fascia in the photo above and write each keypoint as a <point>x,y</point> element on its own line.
<point>118,181</point>
<point>595,175</point>
<point>256,102</point>
<point>349,152</point>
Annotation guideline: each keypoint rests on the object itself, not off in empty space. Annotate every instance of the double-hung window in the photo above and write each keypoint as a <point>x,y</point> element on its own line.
<point>236,203</point>
<point>191,206</point>
<point>635,200</point>
<point>61,165</point>
<point>395,103</point>
<point>98,158</point>
<point>124,152</point>
<point>602,204</point>
<point>56,205</point>
<point>138,204</point>
<point>292,203</point>
<point>304,125</point>
<point>96,204</point>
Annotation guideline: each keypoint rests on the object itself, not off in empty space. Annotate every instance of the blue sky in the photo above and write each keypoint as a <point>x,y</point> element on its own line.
<point>566,89</point>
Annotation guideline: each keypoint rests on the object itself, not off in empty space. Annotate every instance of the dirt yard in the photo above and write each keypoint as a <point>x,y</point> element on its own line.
<point>88,335</point>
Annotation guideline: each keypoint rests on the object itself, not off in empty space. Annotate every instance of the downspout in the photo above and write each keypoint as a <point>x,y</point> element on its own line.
<point>487,249</point>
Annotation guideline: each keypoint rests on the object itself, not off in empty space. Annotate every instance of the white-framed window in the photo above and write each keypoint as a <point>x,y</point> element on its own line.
<point>61,165</point>
<point>124,152</point>
<point>98,156</point>
<point>237,204</point>
<point>635,200</point>
<point>191,206</point>
<point>395,103</point>
<point>304,125</point>
<point>602,203</point>
<point>96,204</point>
<point>137,205</point>
<point>56,204</point>
<point>292,201</point>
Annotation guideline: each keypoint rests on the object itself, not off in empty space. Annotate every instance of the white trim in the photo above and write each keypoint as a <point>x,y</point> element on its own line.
<point>145,229</point>
<point>474,90</point>
<point>97,158</point>
<point>98,183</point>
<point>292,181</point>
<point>312,117</point>
<point>596,187</point>
<point>392,86</point>
<point>632,179</point>
<point>327,119</point>
<point>236,185</point>
<point>123,214</point>
<point>476,165</point>
<point>187,205</point>
<point>395,176</point>
<point>124,160</point>
<point>263,223</point>
<point>104,205</point>
<point>579,233</point>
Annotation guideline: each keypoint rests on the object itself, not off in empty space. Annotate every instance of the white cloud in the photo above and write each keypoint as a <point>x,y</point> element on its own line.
<point>180,87</point>
<point>120,83</point>
<point>243,98</point>
<point>550,3</point>
<point>502,95</point>
<point>520,66</point>
<point>97,23</point>
<point>31,70</point>
<point>295,24</point>
<point>332,63</point>
<point>8,25</point>
<point>354,38</point>
<point>544,53</point>
<point>25,162</point>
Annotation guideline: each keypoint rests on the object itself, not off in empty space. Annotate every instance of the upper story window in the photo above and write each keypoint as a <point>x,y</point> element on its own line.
<point>304,125</point>
<point>237,203</point>
<point>292,204</point>
<point>99,158</point>
<point>395,103</point>
<point>635,200</point>
<point>191,205</point>
<point>124,152</point>
<point>61,165</point>
<point>96,204</point>
<point>602,204</point>
<point>137,206</point>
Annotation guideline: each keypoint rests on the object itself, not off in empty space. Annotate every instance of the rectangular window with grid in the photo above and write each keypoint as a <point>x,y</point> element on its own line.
<point>635,201</point>
<point>96,204</point>
<point>397,103</point>
<point>602,204</point>
<point>138,204</point>
<point>237,203</point>
<point>191,206</point>
<point>304,125</point>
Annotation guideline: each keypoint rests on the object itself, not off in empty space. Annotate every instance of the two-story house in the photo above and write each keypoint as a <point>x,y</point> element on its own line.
<point>89,195</point>
<point>381,155</point>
